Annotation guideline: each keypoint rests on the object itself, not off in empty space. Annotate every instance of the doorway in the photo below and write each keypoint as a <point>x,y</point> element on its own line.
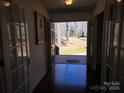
<point>68,48</point>
<point>70,40</point>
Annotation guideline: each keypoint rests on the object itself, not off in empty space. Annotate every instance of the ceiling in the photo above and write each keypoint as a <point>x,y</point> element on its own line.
<point>77,4</point>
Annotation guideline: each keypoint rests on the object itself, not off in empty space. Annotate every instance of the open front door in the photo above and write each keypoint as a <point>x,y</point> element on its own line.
<point>15,48</point>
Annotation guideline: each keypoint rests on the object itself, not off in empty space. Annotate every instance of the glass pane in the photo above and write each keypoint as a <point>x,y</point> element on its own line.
<point>115,58</point>
<point>116,34</point>
<point>19,52</point>
<point>19,55</point>
<point>122,62</point>
<point>22,17</point>
<point>15,14</point>
<point>117,12</point>
<point>9,28</point>
<point>15,57</point>
<point>28,85</point>
<point>16,23</point>
<point>13,61</point>
<point>27,40</point>
<point>18,38</point>
<point>122,35</point>
<point>15,81</point>
<point>21,75</point>
<point>11,35</point>
<point>25,58</point>
<point>22,21</point>
<point>23,33</point>
<point>111,57</point>
<point>109,32</point>
<point>110,74</point>
<point>26,68</point>
<point>24,51</point>
<point>110,12</point>
<point>9,15</point>
<point>17,78</point>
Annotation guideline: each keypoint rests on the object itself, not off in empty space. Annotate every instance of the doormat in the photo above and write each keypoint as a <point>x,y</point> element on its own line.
<point>70,59</point>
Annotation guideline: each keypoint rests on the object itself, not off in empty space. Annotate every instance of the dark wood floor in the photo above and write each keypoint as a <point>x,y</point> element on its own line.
<point>65,78</point>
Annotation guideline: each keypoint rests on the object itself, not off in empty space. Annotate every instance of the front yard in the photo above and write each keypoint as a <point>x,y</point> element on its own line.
<point>74,46</point>
<point>73,51</point>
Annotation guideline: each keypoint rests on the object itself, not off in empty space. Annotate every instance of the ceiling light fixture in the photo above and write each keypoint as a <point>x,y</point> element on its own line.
<point>119,1</point>
<point>68,2</point>
<point>6,3</point>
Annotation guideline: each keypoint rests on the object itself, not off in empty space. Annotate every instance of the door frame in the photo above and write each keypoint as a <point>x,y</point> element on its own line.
<point>5,50</point>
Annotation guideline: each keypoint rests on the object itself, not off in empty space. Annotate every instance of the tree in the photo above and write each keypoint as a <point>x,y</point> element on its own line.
<point>67,32</point>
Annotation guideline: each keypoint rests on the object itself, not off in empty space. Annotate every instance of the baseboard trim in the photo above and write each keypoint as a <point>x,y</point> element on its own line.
<point>42,75</point>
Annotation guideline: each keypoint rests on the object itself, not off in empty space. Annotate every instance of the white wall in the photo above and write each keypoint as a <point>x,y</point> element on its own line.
<point>83,16</point>
<point>99,7</point>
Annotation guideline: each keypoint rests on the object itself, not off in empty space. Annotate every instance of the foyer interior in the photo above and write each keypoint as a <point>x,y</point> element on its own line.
<point>27,47</point>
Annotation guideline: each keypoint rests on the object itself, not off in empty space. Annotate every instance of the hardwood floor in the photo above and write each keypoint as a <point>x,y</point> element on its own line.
<point>65,78</point>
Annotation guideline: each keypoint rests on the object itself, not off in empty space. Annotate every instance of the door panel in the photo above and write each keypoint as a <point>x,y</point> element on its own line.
<point>16,42</point>
<point>113,45</point>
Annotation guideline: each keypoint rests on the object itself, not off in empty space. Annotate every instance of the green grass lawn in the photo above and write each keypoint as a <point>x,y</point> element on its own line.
<point>73,51</point>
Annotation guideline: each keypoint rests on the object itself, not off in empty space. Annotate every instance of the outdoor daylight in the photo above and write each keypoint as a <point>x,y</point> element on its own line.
<point>61,46</point>
<point>71,37</point>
